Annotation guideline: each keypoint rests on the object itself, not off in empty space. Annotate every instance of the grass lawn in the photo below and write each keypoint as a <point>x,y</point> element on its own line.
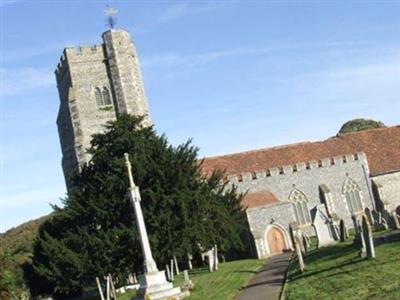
<point>338,272</point>
<point>223,284</point>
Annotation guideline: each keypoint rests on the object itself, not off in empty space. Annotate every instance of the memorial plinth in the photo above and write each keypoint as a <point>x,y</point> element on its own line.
<point>152,283</point>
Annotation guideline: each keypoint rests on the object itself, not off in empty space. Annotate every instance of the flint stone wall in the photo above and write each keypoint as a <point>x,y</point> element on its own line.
<point>305,177</point>
<point>113,65</point>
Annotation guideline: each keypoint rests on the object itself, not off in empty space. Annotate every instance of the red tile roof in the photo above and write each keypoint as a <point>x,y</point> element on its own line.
<point>382,147</point>
<point>258,199</point>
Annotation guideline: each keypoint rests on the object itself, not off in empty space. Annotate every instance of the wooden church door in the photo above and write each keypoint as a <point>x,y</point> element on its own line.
<point>276,241</point>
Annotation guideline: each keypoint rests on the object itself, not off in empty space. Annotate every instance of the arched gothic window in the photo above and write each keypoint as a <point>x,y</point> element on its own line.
<point>351,191</point>
<point>300,205</point>
<point>98,96</point>
<point>106,96</point>
<point>103,97</point>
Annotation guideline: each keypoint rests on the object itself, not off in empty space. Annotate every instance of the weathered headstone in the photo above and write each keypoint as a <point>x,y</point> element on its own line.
<point>299,252</point>
<point>361,239</point>
<point>369,215</point>
<point>176,265</point>
<point>130,279</point>
<point>210,258</point>
<point>334,228</point>
<point>368,238</point>
<point>344,234</point>
<point>306,240</point>
<point>108,288</point>
<point>321,226</point>
<point>305,243</point>
<point>384,223</point>
<point>375,216</point>
<point>187,283</point>
<point>99,288</point>
<point>396,220</point>
<point>168,272</point>
<point>113,291</point>
<point>189,260</point>
<point>215,255</point>
<point>172,270</point>
<point>296,237</point>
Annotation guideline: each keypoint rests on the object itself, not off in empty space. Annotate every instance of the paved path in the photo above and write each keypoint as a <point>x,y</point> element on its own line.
<point>268,282</point>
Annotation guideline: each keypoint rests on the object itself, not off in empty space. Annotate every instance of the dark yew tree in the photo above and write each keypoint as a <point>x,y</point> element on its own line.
<point>95,233</point>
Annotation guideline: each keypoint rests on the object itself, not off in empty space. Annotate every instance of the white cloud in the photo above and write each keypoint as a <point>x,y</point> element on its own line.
<point>178,60</point>
<point>173,12</point>
<point>19,81</point>
<point>368,83</point>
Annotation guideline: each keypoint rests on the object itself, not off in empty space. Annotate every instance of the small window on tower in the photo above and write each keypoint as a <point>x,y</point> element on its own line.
<point>103,98</point>
<point>98,96</point>
<point>106,96</point>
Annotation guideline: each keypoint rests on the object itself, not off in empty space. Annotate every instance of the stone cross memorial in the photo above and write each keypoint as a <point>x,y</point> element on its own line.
<point>152,283</point>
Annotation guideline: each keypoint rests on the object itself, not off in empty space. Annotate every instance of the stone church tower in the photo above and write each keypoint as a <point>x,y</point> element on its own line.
<point>96,84</point>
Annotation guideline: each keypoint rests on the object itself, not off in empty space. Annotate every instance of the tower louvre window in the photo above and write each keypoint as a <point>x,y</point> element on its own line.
<point>103,97</point>
<point>98,96</point>
<point>106,96</point>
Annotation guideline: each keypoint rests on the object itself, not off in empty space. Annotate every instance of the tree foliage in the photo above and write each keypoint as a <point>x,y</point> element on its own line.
<point>359,125</point>
<point>95,233</point>
<point>11,277</point>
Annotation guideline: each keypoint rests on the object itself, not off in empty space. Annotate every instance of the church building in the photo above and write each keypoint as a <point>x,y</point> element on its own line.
<point>349,175</point>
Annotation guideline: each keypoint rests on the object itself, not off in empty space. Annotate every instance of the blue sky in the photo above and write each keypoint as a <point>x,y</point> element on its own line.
<point>231,75</point>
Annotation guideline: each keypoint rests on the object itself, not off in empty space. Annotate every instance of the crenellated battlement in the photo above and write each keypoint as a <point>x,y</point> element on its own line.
<point>298,167</point>
<point>79,54</point>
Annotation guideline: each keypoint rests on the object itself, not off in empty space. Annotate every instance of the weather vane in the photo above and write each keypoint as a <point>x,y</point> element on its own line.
<point>110,13</point>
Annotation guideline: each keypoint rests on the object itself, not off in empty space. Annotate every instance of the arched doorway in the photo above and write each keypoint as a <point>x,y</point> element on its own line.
<point>276,241</point>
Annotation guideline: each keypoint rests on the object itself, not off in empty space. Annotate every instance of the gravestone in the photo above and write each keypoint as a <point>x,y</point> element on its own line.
<point>187,283</point>
<point>321,226</point>
<point>216,261</point>
<point>189,261</point>
<point>344,233</point>
<point>172,270</point>
<point>368,238</point>
<point>298,243</point>
<point>168,273</point>
<point>375,216</point>
<point>357,230</point>
<point>306,243</point>
<point>297,240</point>
<point>210,258</point>
<point>396,220</point>
<point>176,265</point>
<point>369,215</point>
<point>306,240</point>
<point>384,223</point>
<point>361,238</point>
